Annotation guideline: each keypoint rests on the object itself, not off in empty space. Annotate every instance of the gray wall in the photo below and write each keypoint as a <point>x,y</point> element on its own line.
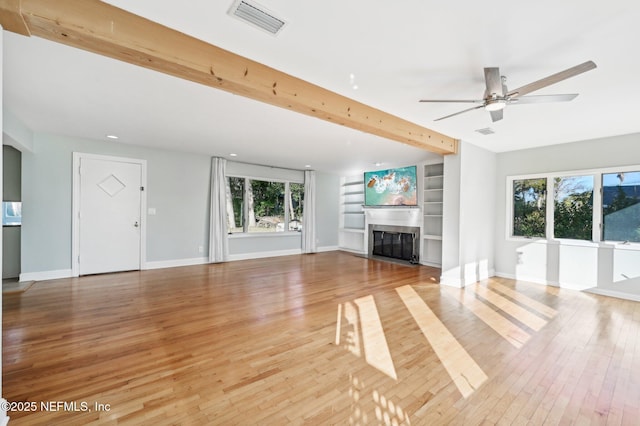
<point>11,170</point>
<point>558,262</point>
<point>327,209</point>
<point>11,191</point>
<point>177,187</point>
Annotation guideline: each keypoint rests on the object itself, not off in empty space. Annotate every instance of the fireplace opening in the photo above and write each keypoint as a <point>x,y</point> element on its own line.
<point>394,242</point>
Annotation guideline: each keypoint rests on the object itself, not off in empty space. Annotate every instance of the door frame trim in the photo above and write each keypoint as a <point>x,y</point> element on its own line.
<point>75,208</point>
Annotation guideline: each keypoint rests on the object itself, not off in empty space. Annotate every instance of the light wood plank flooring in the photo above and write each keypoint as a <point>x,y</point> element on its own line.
<point>329,338</point>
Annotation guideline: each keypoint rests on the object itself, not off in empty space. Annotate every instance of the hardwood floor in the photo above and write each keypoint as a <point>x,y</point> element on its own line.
<point>329,338</point>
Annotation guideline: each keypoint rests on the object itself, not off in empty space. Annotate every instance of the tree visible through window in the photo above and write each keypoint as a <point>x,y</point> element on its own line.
<point>296,204</point>
<point>266,206</point>
<point>621,206</point>
<point>235,204</point>
<point>529,204</point>
<point>573,207</point>
<point>263,206</point>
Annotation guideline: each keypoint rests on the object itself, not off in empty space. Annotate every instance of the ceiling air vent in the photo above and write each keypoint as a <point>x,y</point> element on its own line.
<point>256,15</point>
<point>486,131</point>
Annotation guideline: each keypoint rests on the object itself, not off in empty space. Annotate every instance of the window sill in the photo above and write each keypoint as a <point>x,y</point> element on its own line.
<point>264,234</point>
<point>578,243</point>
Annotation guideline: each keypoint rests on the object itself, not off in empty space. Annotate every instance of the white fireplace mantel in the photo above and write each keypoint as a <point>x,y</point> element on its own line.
<point>391,216</point>
<point>398,216</point>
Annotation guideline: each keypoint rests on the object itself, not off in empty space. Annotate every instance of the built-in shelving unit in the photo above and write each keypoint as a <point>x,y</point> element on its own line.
<point>433,191</point>
<point>351,233</point>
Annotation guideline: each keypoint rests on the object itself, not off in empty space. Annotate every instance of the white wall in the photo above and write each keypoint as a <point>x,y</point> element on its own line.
<point>468,215</point>
<point>578,266</point>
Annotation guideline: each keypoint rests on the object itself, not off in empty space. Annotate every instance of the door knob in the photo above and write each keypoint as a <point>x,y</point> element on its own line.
<point>136,224</point>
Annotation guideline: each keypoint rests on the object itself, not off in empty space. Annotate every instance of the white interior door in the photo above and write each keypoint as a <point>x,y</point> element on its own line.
<point>109,215</point>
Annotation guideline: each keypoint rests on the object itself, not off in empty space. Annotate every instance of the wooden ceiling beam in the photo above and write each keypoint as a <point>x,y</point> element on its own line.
<point>107,30</point>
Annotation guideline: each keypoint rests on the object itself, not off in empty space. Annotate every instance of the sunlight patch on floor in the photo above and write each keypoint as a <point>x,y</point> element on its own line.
<point>516,311</point>
<point>511,332</point>
<point>524,300</point>
<point>364,334</point>
<point>376,349</point>
<point>464,371</point>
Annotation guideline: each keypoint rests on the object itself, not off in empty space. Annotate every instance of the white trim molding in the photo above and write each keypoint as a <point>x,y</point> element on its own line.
<point>613,293</point>
<point>75,203</point>
<point>46,275</point>
<point>594,290</point>
<point>328,248</point>
<point>160,264</point>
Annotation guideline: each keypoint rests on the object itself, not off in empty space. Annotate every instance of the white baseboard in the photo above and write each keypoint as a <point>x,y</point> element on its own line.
<point>451,281</point>
<point>534,280</point>
<point>327,248</point>
<point>354,251</point>
<point>614,293</point>
<point>594,290</point>
<point>175,263</point>
<point>458,282</point>
<point>46,275</point>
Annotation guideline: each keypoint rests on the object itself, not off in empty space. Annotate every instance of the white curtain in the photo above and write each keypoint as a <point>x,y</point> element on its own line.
<point>309,213</point>
<point>218,242</point>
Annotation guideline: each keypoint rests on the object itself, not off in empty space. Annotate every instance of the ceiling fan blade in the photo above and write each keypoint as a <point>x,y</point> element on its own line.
<point>542,98</point>
<point>496,115</point>
<point>493,82</point>
<point>459,112</point>
<point>461,101</point>
<point>552,79</point>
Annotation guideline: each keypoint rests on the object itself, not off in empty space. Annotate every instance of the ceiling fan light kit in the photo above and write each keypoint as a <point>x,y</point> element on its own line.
<point>497,97</point>
<point>495,104</point>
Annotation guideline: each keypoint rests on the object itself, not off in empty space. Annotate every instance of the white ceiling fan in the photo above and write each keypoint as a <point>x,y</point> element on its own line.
<point>497,96</point>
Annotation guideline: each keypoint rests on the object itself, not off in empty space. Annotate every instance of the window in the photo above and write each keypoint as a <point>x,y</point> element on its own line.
<point>263,206</point>
<point>296,204</point>
<point>529,205</point>
<point>235,204</point>
<point>573,207</point>
<point>596,205</point>
<point>621,206</point>
<point>11,213</point>
<point>266,206</point>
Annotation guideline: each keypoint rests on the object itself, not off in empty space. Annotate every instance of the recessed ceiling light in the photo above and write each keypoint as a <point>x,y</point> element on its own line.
<point>112,137</point>
<point>378,164</point>
<point>233,155</point>
<point>308,166</point>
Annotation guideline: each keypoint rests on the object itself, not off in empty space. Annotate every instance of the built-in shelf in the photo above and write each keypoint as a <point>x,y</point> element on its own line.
<point>351,232</point>
<point>354,230</point>
<point>433,192</point>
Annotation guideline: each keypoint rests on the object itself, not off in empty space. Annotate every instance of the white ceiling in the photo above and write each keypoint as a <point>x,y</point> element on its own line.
<point>398,52</point>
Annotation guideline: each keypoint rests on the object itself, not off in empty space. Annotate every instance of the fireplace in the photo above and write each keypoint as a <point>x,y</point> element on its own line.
<point>396,242</point>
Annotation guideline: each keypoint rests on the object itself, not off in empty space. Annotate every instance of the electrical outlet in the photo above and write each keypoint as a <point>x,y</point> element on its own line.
<point>200,249</point>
